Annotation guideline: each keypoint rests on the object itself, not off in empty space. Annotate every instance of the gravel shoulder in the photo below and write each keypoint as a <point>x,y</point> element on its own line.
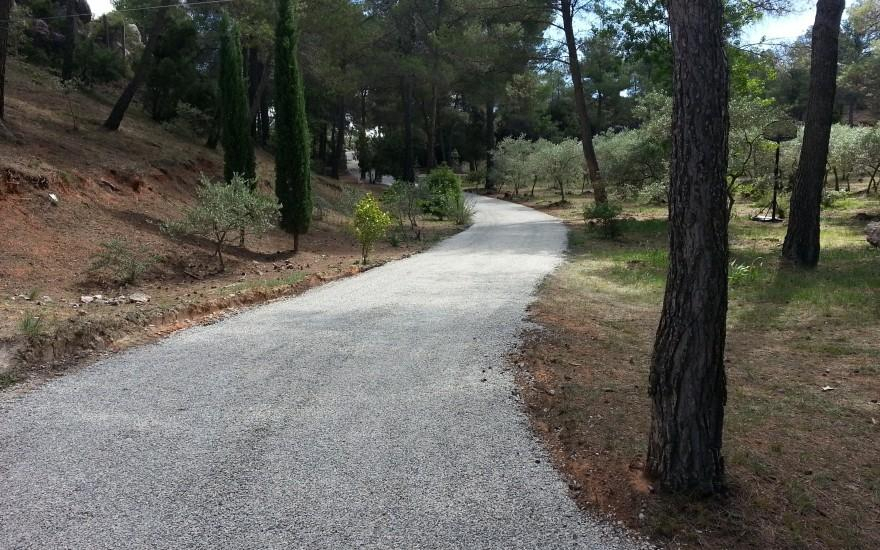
<point>374,412</point>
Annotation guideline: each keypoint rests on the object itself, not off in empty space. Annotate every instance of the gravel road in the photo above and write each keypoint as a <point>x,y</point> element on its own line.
<point>374,412</point>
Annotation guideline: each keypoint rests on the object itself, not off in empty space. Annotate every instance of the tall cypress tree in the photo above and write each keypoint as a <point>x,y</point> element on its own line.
<point>238,149</point>
<point>292,174</point>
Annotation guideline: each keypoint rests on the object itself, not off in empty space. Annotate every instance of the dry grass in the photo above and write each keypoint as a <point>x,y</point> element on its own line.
<point>802,462</point>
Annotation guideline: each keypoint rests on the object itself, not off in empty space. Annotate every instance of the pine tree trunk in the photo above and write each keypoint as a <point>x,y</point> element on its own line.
<point>432,130</point>
<point>69,41</point>
<point>490,144</point>
<point>409,169</point>
<point>801,245</point>
<point>260,87</point>
<point>254,75</point>
<point>140,74</point>
<point>5,11</point>
<point>264,116</point>
<point>580,100</point>
<point>339,143</point>
<point>322,144</point>
<point>215,129</point>
<point>687,382</point>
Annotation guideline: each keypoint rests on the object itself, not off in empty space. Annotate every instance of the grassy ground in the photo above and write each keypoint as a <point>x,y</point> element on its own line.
<point>803,358</point>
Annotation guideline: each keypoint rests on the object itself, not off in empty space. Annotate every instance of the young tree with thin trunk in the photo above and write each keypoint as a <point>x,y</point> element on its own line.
<point>143,69</point>
<point>687,382</point>
<point>238,147</point>
<point>567,7</point>
<point>801,246</point>
<point>292,173</point>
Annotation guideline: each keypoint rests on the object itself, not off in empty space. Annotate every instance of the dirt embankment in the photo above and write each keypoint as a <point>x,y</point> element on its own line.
<point>65,191</point>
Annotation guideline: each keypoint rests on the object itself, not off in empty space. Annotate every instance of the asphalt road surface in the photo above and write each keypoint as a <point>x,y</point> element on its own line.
<point>374,412</point>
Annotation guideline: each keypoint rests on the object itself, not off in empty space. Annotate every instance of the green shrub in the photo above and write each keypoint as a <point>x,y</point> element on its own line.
<point>443,190</point>
<point>831,198</point>
<point>370,223</point>
<point>403,201</point>
<point>461,210</point>
<point>224,211</point>
<point>31,326</point>
<point>605,217</point>
<point>189,122</point>
<point>655,192</point>
<point>740,273</point>
<point>97,64</point>
<point>121,263</point>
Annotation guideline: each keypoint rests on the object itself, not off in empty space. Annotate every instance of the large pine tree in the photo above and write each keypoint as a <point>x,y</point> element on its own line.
<point>292,173</point>
<point>238,148</point>
<point>801,245</point>
<point>688,386</point>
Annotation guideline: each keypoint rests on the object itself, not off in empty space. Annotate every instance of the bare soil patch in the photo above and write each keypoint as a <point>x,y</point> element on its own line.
<point>64,192</point>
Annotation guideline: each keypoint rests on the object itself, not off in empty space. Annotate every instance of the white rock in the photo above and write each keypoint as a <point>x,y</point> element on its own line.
<point>138,298</point>
<point>54,199</point>
<point>87,299</point>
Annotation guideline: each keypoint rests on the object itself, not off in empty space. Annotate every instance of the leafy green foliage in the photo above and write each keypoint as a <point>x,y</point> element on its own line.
<point>238,148</point>
<point>292,173</point>
<point>226,210</point>
<point>370,223</point>
<point>120,262</point>
<point>174,75</point>
<point>443,189</point>
<point>96,64</point>
<point>739,273</point>
<point>831,198</point>
<point>513,160</point>
<point>605,217</point>
<point>461,210</point>
<point>561,163</point>
<point>846,151</point>
<point>404,200</point>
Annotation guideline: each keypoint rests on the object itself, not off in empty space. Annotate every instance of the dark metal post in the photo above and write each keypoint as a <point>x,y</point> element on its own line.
<point>775,204</point>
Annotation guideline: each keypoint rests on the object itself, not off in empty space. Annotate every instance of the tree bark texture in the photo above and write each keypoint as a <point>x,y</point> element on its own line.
<point>409,168</point>
<point>580,101</point>
<point>687,381</point>
<point>339,144</point>
<point>5,12</point>
<point>801,245</point>
<point>490,144</point>
<point>431,127</point>
<point>69,40</point>
<point>140,75</point>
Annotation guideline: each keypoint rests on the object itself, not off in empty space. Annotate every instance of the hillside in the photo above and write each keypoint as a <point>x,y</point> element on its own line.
<point>124,185</point>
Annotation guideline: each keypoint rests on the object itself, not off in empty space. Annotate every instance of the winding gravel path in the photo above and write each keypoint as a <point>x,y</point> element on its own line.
<point>374,412</point>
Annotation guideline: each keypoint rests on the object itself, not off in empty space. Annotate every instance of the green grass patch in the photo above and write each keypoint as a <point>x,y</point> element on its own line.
<point>7,379</point>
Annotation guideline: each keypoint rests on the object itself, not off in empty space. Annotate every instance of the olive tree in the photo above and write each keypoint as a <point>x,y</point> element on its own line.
<point>870,159</point>
<point>561,163</point>
<point>223,211</point>
<point>845,152</point>
<point>513,161</point>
